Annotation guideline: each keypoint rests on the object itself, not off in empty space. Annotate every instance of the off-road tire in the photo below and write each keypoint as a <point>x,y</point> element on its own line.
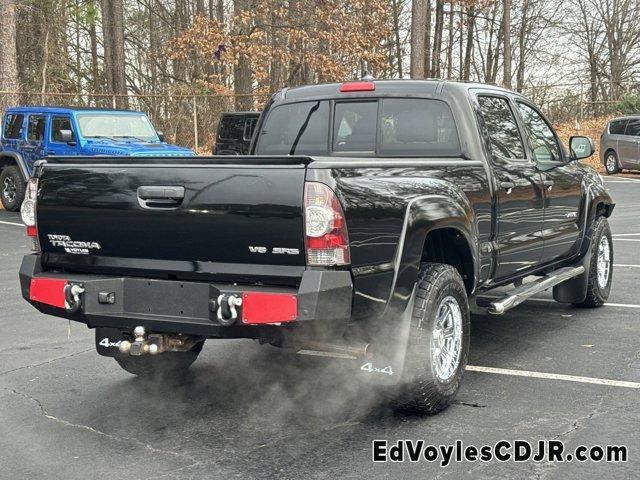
<point>12,174</point>
<point>166,365</point>
<point>596,294</point>
<point>421,390</point>
<point>607,168</point>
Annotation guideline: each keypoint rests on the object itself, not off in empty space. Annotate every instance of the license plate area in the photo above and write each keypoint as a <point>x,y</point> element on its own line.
<point>167,298</point>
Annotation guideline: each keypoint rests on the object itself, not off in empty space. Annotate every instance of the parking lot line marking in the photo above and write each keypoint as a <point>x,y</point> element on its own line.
<point>625,265</point>
<point>627,239</point>
<point>12,223</point>
<point>626,235</point>
<point>554,376</point>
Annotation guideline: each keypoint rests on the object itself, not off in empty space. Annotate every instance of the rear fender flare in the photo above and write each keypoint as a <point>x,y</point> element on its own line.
<point>423,215</point>
<point>14,158</point>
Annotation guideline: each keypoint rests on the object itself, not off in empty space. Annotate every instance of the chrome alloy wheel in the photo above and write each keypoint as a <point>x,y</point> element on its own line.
<point>604,262</point>
<point>9,189</point>
<point>446,341</point>
<point>611,163</point>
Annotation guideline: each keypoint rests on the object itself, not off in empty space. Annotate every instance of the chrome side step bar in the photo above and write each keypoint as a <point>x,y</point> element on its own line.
<point>520,294</point>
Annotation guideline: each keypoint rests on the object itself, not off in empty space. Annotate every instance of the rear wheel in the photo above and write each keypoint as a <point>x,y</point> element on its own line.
<point>600,266</point>
<point>12,188</point>
<point>169,364</point>
<point>438,341</point>
<point>611,163</point>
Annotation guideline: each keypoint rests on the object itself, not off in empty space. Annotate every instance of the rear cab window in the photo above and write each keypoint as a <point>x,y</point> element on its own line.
<point>13,126</point>
<point>232,128</point>
<point>384,127</point>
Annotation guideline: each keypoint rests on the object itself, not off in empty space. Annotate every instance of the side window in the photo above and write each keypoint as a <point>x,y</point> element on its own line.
<point>354,127</point>
<point>58,124</point>
<point>501,128</point>
<point>633,127</point>
<point>13,126</point>
<point>249,127</point>
<point>544,143</point>
<point>35,130</point>
<point>616,127</point>
<point>410,126</point>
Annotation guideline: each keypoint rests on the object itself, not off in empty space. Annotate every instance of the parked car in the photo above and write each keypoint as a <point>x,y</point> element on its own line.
<point>235,131</point>
<point>620,144</point>
<point>32,133</point>
<point>367,225</point>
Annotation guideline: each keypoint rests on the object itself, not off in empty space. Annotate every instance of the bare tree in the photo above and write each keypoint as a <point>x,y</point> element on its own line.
<point>506,35</point>
<point>8,58</point>
<point>418,28</point>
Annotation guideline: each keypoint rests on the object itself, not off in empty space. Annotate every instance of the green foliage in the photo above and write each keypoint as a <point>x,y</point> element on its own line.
<point>629,104</point>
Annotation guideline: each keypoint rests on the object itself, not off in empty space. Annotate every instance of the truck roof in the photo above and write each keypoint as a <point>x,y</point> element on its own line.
<point>386,87</point>
<point>61,109</point>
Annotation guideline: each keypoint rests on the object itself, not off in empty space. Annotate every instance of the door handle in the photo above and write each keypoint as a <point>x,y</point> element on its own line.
<point>508,186</point>
<point>549,184</point>
<point>160,196</point>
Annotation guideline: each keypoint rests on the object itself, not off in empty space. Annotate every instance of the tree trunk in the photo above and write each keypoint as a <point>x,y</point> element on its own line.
<point>242,78</point>
<point>506,32</point>
<point>93,40</point>
<point>418,27</point>
<point>396,35</point>
<point>437,40</point>
<point>427,39</point>
<point>449,54</point>
<point>107,41</point>
<point>471,18</point>
<point>8,57</point>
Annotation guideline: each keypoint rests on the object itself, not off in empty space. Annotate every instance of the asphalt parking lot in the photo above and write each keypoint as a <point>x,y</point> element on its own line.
<point>248,411</point>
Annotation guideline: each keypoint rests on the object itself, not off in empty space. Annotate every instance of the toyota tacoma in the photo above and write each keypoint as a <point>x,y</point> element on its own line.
<point>371,218</point>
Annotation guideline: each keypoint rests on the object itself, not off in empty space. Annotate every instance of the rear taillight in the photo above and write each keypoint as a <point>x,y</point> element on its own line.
<point>28,211</point>
<point>326,235</point>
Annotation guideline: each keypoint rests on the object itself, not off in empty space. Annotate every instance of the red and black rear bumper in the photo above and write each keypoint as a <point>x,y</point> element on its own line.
<point>186,307</point>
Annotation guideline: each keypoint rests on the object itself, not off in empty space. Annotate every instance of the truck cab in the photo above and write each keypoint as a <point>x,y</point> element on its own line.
<point>33,133</point>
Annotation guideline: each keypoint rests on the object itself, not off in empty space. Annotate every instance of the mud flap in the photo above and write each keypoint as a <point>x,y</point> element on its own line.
<point>574,290</point>
<point>108,341</point>
<point>385,364</point>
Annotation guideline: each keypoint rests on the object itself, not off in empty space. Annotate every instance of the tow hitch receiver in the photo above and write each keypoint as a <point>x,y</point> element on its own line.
<point>143,343</point>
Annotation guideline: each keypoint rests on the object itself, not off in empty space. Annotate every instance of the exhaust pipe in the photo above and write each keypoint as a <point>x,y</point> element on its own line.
<point>337,350</point>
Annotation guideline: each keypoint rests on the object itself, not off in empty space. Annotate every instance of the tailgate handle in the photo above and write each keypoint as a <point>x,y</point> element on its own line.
<point>160,196</point>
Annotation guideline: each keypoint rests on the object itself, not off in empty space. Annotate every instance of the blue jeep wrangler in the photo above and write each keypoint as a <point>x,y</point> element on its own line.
<point>32,133</point>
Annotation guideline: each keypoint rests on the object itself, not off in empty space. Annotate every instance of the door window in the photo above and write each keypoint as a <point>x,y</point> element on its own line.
<point>501,128</point>
<point>544,143</point>
<point>58,124</point>
<point>633,127</point>
<point>13,126</point>
<point>616,127</point>
<point>35,130</point>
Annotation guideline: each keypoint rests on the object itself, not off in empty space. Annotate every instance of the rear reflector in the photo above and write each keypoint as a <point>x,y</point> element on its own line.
<point>268,308</point>
<point>48,290</point>
<point>32,231</point>
<point>358,87</point>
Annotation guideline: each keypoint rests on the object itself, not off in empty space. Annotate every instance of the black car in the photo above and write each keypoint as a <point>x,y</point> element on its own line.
<point>235,131</point>
<point>373,217</point>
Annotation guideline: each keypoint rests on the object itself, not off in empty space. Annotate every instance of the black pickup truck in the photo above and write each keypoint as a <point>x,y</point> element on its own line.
<point>367,224</point>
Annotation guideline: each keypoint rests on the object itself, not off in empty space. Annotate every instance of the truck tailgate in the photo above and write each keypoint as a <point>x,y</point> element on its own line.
<point>193,219</point>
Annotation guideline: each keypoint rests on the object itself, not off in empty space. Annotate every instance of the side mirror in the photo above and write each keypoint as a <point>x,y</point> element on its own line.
<point>161,136</point>
<point>581,147</point>
<point>66,136</point>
